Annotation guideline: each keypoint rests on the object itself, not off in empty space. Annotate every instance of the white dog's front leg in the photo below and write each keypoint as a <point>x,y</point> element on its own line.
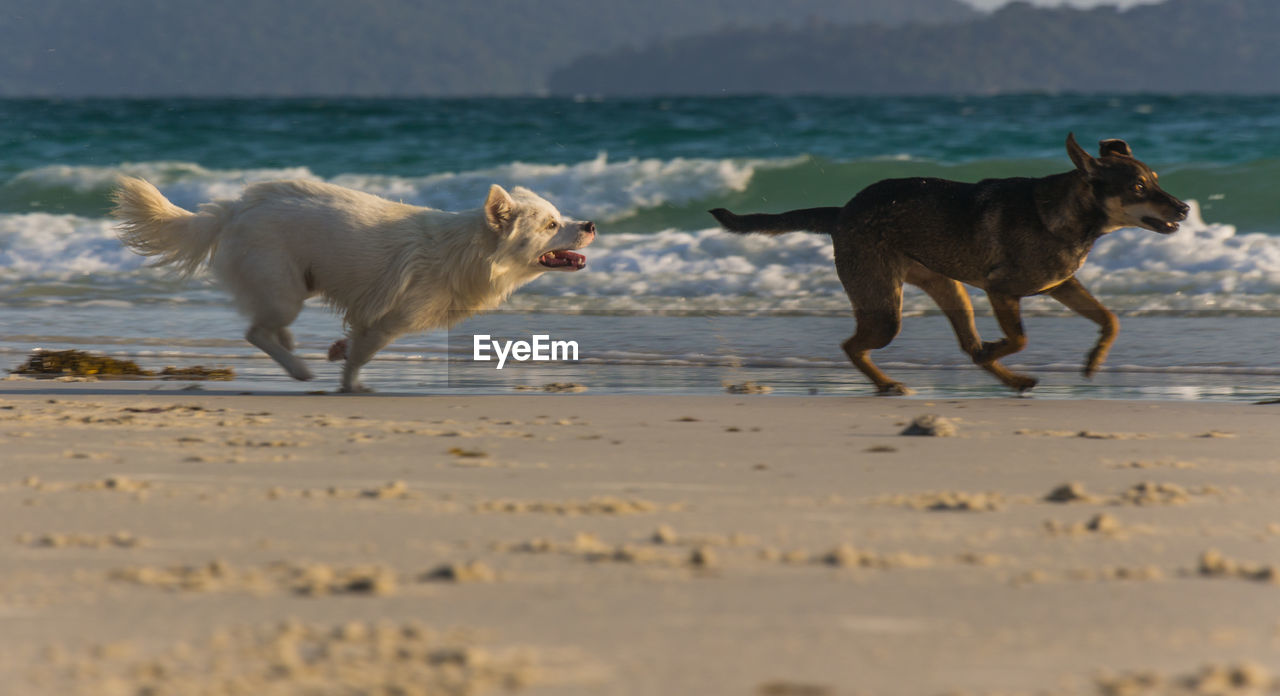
<point>361,346</point>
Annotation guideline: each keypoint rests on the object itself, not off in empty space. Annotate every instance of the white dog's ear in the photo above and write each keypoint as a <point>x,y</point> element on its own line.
<point>498,208</point>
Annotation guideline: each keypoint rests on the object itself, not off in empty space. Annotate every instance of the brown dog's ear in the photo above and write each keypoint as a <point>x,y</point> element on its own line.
<point>1114,146</point>
<point>1083,160</point>
<point>498,208</point>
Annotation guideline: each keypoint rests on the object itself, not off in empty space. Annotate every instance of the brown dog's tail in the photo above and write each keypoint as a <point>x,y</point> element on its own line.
<point>811,219</point>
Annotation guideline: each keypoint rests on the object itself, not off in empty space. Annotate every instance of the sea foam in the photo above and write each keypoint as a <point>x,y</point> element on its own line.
<point>44,246</point>
<point>1203,267</point>
<point>684,264</point>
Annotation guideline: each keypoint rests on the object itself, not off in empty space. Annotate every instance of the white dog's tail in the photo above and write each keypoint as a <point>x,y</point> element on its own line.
<point>153,226</point>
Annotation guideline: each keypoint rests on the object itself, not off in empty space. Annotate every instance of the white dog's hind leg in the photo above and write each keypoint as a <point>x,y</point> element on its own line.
<point>271,297</point>
<point>268,340</point>
<point>361,346</point>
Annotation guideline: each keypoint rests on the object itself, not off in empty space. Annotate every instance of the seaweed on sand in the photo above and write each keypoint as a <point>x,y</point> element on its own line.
<point>198,372</point>
<point>78,363</point>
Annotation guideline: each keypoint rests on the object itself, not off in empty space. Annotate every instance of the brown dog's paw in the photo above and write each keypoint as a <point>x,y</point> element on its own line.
<point>1093,362</point>
<point>338,351</point>
<point>894,389</point>
<point>1022,383</point>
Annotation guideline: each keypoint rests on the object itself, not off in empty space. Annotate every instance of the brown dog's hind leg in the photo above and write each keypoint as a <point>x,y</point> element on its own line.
<point>876,295</point>
<point>1074,295</point>
<point>876,328</point>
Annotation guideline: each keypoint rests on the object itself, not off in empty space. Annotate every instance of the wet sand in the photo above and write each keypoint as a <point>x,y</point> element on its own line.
<point>214,543</point>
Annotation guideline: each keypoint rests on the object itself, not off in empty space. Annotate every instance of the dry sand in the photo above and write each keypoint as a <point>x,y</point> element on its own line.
<point>207,543</point>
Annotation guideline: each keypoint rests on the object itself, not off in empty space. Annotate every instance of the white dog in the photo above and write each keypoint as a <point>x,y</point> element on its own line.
<point>390,268</point>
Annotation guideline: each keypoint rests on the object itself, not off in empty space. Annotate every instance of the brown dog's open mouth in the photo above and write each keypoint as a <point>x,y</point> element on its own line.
<point>1160,225</point>
<point>565,259</point>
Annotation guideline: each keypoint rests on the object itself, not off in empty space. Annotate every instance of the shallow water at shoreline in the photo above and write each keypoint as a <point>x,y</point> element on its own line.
<point>1214,358</point>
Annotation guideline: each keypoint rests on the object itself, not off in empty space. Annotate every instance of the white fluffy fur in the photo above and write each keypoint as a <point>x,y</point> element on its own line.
<point>390,268</point>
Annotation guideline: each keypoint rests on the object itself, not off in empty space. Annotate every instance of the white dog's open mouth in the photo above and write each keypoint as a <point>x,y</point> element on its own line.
<point>563,259</point>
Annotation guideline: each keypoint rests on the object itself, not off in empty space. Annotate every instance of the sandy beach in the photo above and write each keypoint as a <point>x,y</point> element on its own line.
<point>211,542</point>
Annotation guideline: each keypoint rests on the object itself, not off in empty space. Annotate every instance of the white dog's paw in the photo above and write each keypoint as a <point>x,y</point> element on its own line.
<point>357,388</point>
<point>338,351</point>
<point>301,373</point>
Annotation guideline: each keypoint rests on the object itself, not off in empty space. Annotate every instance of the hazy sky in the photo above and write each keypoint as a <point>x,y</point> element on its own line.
<point>990,4</point>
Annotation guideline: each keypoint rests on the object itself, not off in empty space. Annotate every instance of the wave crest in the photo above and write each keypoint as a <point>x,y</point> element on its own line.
<point>685,264</point>
<point>600,189</point>
<point>632,195</point>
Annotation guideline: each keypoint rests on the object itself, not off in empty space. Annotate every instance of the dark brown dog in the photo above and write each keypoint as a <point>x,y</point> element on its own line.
<point>1011,237</point>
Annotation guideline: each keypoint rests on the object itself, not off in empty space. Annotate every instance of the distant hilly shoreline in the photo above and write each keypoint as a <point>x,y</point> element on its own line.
<point>307,48</point>
<point>432,48</point>
<point>1177,47</point>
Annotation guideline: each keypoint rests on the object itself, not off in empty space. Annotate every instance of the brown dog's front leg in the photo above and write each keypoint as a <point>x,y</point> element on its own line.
<point>1009,315</point>
<point>1076,298</point>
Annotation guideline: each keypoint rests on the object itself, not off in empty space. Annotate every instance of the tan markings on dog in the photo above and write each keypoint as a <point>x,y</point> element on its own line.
<point>1118,216</point>
<point>1010,237</point>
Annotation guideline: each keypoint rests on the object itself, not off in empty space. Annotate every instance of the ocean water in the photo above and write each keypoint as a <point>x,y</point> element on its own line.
<point>668,303</point>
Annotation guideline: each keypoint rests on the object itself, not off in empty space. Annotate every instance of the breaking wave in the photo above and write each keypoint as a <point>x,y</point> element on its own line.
<point>598,188</point>
<point>634,195</point>
<point>1203,268</point>
<point>658,248</point>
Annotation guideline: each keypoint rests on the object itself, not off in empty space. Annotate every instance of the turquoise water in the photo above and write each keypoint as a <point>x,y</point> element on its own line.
<point>1209,145</point>
<point>646,171</point>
